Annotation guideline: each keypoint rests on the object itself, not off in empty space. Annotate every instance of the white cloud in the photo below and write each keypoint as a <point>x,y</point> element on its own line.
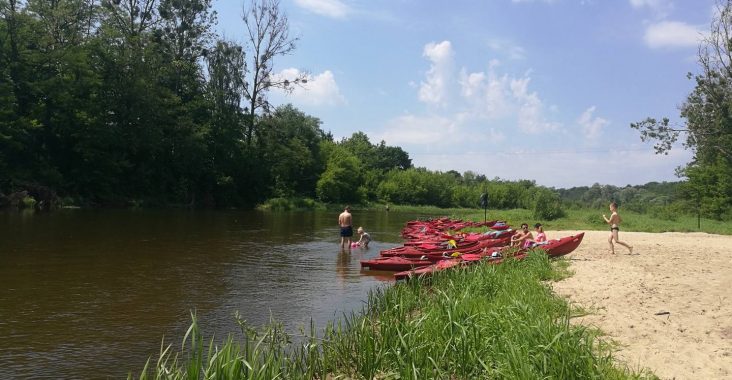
<point>491,96</point>
<point>419,130</point>
<point>531,108</point>
<point>328,8</point>
<point>591,127</point>
<point>485,109</point>
<point>471,83</point>
<point>320,90</point>
<point>487,95</point>
<point>508,49</point>
<point>660,8</point>
<point>435,89</point>
<point>672,34</point>
<point>651,4</point>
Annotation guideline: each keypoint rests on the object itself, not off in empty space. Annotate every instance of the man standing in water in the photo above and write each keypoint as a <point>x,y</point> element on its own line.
<point>345,221</point>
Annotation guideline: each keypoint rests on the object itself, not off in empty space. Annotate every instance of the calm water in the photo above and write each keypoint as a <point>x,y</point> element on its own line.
<point>91,293</point>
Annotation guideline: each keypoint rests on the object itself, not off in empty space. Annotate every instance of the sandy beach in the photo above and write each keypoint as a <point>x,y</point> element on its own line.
<point>668,306</point>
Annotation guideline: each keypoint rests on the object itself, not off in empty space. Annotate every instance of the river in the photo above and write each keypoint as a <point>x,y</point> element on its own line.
<point>90,294</point>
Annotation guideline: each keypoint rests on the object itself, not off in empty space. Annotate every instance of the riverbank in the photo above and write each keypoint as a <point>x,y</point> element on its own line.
<point>482,321</point>
<point>667,307</point>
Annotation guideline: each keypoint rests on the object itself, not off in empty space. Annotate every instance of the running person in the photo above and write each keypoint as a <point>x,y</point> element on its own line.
<point>614,222</point>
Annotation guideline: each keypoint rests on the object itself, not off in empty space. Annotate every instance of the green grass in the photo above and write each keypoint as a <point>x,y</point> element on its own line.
<point>487,322</point>
<point>584,219</point>
<point>575,219</point>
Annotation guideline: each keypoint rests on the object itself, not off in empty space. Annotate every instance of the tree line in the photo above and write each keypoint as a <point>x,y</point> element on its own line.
<point>661,199</point>
<point>107,103</point>
<point>118,100</point>
<point>113,102</point>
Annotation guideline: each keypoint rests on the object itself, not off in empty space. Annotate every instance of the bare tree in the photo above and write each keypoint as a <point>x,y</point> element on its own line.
<point>269,36</point>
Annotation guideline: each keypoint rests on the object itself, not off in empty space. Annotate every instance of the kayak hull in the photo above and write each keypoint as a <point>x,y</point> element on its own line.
<point>396,263</point>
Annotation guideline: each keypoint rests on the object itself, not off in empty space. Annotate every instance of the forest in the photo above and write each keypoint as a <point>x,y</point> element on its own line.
<point>139,103</point>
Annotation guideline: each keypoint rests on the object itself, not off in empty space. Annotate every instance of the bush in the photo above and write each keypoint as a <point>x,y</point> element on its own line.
<point>548,206</point>
<point>28,202</point>
<point>293,203</point>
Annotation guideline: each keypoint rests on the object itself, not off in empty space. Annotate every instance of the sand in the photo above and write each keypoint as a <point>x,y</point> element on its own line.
<point>668,307</point>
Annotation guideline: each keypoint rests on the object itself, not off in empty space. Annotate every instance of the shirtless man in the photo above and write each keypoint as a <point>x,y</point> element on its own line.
<point>521,236</point>
<point>345,221</point>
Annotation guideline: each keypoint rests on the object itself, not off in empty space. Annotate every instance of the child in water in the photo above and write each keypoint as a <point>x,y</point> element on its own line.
<point>365,238</point>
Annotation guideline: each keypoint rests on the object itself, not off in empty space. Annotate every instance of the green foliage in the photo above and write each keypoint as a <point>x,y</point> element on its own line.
<point>108,102</point>
<point>380,158</point>
<point>28,202</point>
<point>293,154</point>
<point>288,204</point>
<point>342,177</point>
<point>647,198</point>
<point>417,186</point>
<point>548,206</point>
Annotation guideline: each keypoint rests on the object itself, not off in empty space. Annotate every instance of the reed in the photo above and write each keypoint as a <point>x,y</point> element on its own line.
<point>482,321</point>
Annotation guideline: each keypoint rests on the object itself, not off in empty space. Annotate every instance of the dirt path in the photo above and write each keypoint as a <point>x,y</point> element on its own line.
<point>669,306</point>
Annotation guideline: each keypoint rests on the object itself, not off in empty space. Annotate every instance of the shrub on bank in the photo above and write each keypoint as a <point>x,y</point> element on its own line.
<point>288,204</point>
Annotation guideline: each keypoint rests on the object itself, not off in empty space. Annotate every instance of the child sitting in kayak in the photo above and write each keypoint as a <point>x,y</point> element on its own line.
<point>540,235</point>
<point>365,238</point>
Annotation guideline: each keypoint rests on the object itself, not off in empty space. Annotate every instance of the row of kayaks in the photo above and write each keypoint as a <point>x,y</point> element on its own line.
<point>435,245</point>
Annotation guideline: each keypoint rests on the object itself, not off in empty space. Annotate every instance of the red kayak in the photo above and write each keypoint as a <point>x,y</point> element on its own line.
<point>429,270</point>
<point>397,263</point>
<point>469,247</point>
<point>420,230</point>
<point>563,246</point>
<point>553,248</point>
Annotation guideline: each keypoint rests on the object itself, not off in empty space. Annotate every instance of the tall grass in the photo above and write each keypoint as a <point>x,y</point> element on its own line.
<point>494,322</point>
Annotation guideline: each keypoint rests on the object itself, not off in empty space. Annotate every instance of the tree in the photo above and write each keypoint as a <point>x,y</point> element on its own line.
<point>269,36</point>
<point>183,33</point>
<point>226,69</point>
<point>708,117</point>
<point>341,180</point>
<point>291,142</point>
<point>547,205</point>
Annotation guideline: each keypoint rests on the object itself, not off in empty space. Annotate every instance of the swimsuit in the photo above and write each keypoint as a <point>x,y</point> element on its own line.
<point>347,231</point>
<point>614,228</point>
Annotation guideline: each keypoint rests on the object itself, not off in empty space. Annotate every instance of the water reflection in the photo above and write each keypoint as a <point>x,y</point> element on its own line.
<point>343,264</point>
<point>90,293</point>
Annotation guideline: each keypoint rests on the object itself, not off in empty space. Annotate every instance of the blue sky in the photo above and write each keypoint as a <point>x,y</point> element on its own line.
<point>518,89</point>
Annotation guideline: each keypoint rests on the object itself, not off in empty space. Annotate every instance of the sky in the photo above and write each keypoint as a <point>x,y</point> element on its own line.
<point>543,90</point>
